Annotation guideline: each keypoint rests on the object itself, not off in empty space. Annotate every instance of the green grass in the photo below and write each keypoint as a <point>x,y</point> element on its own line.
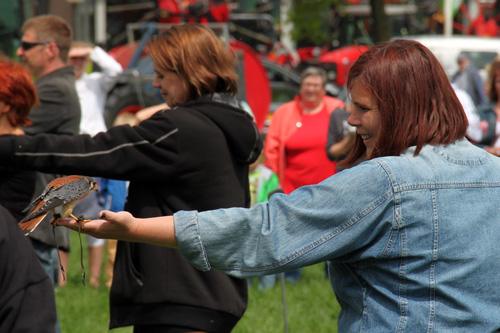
<point>311,305</point>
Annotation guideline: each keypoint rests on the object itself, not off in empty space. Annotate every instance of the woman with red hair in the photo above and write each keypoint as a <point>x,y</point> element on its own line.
<point>17,97</point>
<point>414,102</point>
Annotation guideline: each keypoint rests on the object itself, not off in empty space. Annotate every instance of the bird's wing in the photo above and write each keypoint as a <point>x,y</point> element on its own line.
<point>37,201</point>
<point>75,190</point>
<point>44,206</point>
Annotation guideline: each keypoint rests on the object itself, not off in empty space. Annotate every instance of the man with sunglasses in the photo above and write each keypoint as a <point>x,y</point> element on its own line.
<point>44,49</point>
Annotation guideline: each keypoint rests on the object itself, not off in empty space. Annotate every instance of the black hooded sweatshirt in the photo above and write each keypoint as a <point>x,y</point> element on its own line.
<point>192,157</point>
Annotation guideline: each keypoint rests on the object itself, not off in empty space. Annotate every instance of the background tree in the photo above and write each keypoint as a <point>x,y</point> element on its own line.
<point>313,20</point>
<point>310,20</point>
<point>381,26</point>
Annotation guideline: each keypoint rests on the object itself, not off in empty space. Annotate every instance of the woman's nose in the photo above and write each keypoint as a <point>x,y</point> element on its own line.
<point>155,83</point>
<point>353,118</point>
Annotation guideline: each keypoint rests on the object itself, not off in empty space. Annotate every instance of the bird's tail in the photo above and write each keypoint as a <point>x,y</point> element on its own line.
<point>30,225</point>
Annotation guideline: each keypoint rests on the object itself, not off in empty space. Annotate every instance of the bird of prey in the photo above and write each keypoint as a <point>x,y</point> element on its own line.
<point>60,196</point>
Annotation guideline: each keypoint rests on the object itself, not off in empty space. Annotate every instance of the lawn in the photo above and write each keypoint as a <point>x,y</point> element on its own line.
<point>310,304</point>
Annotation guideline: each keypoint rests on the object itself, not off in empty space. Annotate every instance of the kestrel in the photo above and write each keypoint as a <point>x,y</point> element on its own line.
<point>60,196</point>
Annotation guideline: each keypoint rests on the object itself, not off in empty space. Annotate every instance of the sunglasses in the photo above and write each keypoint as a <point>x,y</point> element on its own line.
<point>27,45</point>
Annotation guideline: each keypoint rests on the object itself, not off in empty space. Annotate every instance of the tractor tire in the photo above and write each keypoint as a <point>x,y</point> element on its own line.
<point>120,100</point>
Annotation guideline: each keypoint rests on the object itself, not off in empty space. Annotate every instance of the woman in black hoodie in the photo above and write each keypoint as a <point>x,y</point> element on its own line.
<point>194,156</point>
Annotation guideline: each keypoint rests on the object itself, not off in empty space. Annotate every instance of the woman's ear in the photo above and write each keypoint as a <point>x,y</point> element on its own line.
<point>4,108</point>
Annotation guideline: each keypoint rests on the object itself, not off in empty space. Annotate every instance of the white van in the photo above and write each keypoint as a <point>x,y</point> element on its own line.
<point>480,50</point>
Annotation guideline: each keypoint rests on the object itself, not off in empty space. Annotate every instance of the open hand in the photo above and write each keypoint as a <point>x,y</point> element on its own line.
<point>121,226</point>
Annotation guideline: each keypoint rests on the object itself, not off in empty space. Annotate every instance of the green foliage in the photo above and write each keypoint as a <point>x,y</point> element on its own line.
<point>311,304</point>
<point>310,19</point>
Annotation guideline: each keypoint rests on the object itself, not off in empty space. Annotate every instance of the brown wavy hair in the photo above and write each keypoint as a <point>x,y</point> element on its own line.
<point>416,101</point>
<point>202,60</point>
<point>18,91</point>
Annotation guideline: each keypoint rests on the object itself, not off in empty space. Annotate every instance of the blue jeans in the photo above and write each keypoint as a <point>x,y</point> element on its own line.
<point>267,281</point>
<point>48,258</point>
<point>293,276</point>
<point>50,263</point>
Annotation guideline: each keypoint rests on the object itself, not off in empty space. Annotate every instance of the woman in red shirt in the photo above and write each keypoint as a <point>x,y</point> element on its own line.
<point>296,139</point>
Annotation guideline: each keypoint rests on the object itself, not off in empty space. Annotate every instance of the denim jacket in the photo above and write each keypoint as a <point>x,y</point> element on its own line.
<point>412,242</point>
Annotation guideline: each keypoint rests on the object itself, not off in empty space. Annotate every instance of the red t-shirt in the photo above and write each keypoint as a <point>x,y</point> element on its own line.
<point>306,159</point>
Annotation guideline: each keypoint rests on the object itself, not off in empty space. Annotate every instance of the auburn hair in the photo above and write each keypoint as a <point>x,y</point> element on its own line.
<point>416,101</point>
<point>201,59</point>
<point>18,91</point>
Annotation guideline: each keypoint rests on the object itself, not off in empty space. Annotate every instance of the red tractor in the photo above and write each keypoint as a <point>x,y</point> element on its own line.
<point>336,62</point>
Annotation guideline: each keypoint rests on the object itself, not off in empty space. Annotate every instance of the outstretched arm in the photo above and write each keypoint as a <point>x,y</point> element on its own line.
<point>124,226</point>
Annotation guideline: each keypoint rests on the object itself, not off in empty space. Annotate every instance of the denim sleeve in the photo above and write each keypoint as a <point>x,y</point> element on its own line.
<point>188,238</point>
<point>327,221</point>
